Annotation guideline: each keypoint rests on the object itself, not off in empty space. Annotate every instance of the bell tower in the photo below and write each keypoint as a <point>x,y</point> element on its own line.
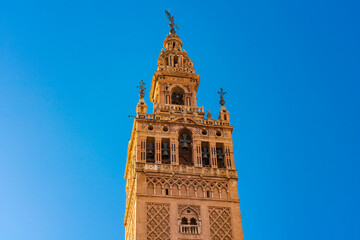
<point>180,172</point>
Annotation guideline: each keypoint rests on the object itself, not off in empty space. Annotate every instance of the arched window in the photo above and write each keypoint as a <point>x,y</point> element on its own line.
<point>177,96</point>
<point>176,61</point>
<point>184,221</point>
<point>192,227</point>
<point>185,147</point>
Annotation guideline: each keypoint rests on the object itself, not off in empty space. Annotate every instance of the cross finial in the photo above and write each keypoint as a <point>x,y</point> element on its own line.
<point>222,93</point>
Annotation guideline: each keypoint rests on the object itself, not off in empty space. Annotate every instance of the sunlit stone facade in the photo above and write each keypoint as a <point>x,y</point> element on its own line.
<point>180,172</point>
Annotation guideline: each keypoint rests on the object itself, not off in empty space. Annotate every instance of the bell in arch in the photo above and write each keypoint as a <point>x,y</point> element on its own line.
<point>165,150</point>
<point>220,155</point>
<point>185,142</point>
<point>205,153</point>
<point>150,149</point>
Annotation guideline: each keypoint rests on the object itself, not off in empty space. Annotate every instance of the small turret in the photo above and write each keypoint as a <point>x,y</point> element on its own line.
<point>224,115</point>
<point>141,107</point>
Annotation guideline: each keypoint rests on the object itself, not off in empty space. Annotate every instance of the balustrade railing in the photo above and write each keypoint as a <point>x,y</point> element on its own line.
<point>146,116</point>
<point>189,229</point>
<point>178,108</point>
<point>213,122</point>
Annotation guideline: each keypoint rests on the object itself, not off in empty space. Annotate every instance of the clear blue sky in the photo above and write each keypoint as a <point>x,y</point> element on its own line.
<point>68,76</point>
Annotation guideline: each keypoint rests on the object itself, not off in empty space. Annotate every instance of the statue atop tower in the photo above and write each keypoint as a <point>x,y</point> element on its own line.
<point>172,24</point>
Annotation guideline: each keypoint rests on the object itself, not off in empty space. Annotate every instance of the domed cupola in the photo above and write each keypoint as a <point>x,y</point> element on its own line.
<point>173,43</point>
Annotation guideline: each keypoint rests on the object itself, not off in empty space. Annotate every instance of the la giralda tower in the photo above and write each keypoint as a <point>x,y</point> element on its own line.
<point>180,171</point>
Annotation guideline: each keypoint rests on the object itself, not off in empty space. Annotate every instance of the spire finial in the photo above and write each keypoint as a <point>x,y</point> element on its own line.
<point>172,24</point>
<point>222,93</point>
<point>142,88</point>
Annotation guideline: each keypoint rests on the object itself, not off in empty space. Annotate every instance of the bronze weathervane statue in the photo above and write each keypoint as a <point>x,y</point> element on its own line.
<point>172,24</point>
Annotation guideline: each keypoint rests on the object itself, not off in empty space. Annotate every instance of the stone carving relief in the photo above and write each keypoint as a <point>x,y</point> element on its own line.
<point>187,187</point>
<point>194,208</point>
<point>220,223</point>
<point>158,221</point>
<point>204,171</point>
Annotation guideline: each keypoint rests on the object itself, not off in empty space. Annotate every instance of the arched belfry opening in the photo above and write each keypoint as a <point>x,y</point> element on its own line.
<point>205,154</point>
<point>185,147</point>
<point>177,96</point>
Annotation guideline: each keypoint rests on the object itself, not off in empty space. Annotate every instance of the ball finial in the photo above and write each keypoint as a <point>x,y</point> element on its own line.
<point>222,93</point>
<point>142,88</point>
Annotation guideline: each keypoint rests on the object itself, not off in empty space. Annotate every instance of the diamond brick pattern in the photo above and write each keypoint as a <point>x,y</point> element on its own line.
<point>220,223</point>
<point>158,221</point>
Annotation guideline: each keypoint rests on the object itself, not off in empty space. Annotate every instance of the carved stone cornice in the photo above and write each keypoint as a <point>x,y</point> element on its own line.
<point>186,170</point>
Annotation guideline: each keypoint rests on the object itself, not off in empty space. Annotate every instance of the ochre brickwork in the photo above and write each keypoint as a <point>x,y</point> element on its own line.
<point>180,171</point>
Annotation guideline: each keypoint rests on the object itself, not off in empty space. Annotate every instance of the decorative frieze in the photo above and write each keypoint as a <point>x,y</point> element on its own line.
<point>185,187</point>
<point>186,170</point>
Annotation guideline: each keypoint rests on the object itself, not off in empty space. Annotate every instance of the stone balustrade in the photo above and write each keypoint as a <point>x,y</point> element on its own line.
<point>213,122</point>
<point>201,121</point>
<point>179,108</point>
<point>189,229</point>
<point>146,116</point>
